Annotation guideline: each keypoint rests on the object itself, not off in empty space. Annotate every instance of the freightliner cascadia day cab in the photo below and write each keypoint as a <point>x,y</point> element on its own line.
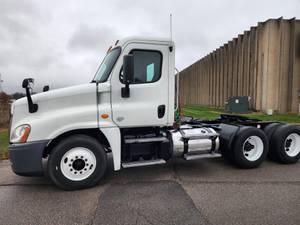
<point>127,111</point>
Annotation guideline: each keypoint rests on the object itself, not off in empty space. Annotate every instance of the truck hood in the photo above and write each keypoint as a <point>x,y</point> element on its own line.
<point>59,110</point>
<point>63,93</point>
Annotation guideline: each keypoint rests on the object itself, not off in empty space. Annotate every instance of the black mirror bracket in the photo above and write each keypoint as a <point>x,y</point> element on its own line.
<point>31,106</point>
<point>125,91</point>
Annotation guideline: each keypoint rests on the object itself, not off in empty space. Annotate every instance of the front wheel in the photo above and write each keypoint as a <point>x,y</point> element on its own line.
<point>250,147</point>
<point>77,162</point>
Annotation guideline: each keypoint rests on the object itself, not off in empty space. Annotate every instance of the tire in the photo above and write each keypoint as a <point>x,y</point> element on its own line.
<point>250,147</point>
<point>285,144</point>
<point>269,131</point>
<point>271,128</point>
<point>77,162</point>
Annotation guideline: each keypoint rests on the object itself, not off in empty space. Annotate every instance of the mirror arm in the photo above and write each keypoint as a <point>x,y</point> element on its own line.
<point>31,106</point>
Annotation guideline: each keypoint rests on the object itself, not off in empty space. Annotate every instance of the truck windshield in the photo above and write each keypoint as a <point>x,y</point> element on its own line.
<point>107,65</point>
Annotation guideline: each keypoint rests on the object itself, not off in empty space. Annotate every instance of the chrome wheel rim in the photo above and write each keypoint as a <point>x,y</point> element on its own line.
<point>292,144</point>
<point>78,164</point>
<point>253,148</point>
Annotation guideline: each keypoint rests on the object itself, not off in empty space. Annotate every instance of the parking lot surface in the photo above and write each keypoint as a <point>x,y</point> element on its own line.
<point>207,191</point>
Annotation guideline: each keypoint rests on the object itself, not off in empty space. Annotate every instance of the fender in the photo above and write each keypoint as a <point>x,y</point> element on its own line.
<point>113,135</point>
<point>227,134</point>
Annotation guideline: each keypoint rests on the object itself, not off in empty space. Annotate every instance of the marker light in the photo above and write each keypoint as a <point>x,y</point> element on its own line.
<point>20,134</point>
<point>104,116</point>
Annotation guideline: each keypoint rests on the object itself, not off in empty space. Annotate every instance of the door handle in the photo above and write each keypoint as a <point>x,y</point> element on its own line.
<point>161,109</point>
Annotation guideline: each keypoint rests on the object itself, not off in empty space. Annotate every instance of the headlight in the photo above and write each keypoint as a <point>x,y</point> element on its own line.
<point>20,134</point>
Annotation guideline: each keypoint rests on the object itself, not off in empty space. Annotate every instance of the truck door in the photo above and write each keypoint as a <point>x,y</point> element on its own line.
<point>148,101</point>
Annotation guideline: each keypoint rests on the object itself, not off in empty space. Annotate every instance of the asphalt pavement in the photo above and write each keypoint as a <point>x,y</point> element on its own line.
<point>207,191</point>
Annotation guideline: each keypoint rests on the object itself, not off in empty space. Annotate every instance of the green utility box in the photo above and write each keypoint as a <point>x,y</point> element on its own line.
<point>238,104</point>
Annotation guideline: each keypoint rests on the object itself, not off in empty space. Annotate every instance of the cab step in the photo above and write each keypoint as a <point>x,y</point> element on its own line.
<point>145,140</point>
<point>143,163</point>
<point>202,156</point>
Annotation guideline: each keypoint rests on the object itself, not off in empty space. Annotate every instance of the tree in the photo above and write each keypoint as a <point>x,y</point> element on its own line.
<point>4,109</point>
<point>4,98</point>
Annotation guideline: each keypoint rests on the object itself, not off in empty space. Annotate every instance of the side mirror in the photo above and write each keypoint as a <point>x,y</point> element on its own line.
<point>28,83</point>
<point>46,88</point>
<point>128,71</point>
<point>128,68</point>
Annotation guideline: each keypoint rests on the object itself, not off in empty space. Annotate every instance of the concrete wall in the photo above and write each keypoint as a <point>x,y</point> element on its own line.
<point>263,63</point>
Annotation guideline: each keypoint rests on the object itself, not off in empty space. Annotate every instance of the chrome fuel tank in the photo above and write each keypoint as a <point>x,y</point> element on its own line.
<point>194,140</point>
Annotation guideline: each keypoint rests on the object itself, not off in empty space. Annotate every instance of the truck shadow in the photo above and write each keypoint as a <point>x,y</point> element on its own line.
<point>204,171</point>
<point>200,171</point>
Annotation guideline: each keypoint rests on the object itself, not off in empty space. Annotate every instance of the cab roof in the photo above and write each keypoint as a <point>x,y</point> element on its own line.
<point>141,39</point>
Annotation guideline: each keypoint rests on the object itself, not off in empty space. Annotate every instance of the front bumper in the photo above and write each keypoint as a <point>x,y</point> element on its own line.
<point>26,158</point>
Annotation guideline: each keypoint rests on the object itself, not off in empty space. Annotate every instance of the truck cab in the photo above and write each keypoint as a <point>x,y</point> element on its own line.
<point>127,110</point>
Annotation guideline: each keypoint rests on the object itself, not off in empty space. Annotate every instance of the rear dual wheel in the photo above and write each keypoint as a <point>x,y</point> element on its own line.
<point>285,143</point>
<point>250,147</point>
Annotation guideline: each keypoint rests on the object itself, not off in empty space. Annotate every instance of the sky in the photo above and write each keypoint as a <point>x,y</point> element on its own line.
<point>62,42</point>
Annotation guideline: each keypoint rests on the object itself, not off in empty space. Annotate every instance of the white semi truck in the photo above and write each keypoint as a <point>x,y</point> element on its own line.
<point>128,110</point>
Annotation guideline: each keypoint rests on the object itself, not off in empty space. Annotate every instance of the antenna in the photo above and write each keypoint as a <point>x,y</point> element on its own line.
<point>171,26</point>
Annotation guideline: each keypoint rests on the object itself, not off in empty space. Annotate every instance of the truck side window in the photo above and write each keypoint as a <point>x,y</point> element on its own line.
<point>147,66</point>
